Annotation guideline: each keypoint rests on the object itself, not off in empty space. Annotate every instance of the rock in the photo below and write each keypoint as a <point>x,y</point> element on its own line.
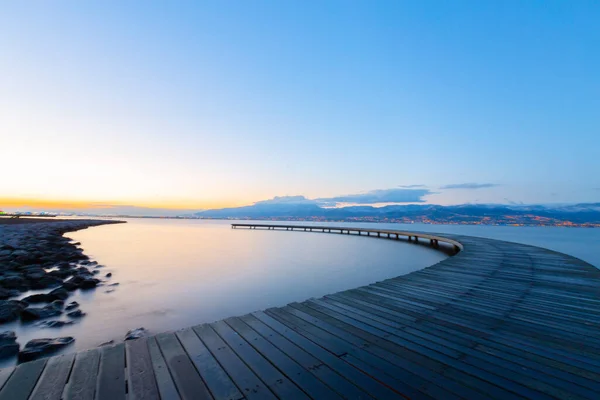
<point>14,282</point>
<point>89,283</point>
<point>109,291</point>
<point>99,266</point>
<point>83,271</point>
<point>61,273</point>
<point>59,293</point>
<point>72,305</point>
<point>58,303</point>
<point>76,244</point>
<point>8,293</point>
<point>39,347</point>
<point>114,284</point>
<point>35,313</point>
<point>38,298</point>
<point>70,286</point>
<point>136,333</point>
<point>10,310</point>
<point>8,345</point>
<point>53,324</point>
<point>95,272</point>
<point>109,275</point>
<point>46,282</point>
<point>107,343</point>
<point>34,274</point>
<point>76,314</point>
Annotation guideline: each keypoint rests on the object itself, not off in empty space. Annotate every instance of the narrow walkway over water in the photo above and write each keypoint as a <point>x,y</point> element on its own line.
<point>497,320</point>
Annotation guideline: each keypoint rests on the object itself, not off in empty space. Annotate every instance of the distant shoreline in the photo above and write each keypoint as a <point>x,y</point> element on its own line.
<point>352,220</point>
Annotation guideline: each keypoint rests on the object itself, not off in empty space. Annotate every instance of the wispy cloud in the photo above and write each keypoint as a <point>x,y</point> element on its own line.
<point>411,186</point>
<point>396,195</point>
<point>469,186</point>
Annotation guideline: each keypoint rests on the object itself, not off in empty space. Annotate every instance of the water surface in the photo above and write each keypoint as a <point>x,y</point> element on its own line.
<point>177,273</point>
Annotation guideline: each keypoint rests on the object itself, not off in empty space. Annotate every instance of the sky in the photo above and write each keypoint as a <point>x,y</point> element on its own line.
<point>209,104</point>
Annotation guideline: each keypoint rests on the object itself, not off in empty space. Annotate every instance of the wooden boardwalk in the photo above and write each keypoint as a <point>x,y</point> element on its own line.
<point>498,320</point>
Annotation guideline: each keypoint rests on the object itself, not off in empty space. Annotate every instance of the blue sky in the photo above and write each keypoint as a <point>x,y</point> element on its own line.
<point>194,104</point>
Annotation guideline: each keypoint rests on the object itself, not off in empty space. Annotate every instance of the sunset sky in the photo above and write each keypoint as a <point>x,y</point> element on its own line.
<point>208,104</point>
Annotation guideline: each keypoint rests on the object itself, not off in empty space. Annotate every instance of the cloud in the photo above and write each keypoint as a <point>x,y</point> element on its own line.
<point>287,200</point>
<point>411,186</point>
<point>396,195</point>
<point>469,186</point>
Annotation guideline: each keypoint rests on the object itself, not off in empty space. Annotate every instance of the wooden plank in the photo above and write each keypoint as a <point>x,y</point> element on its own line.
<point>82,383</point>
<point>302,377</point>
<point>271,376</point>
<point>5,373</point>
<point>217,380</point>
<point>187,379</point>
<point>258,320</point>
<point>250,385</point>
<point>22,381</point>
<point>111,379</point>
<point>410,380</point>
<point>431,368</point>
<point>51,384</point>
<point>140,374</point>
<point>164,380</point>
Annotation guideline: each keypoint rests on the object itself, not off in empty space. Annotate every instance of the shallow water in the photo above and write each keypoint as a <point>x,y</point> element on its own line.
<point>178,273</point>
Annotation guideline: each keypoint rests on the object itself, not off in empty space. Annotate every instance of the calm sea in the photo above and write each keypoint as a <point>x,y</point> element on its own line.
<point>177,273</point>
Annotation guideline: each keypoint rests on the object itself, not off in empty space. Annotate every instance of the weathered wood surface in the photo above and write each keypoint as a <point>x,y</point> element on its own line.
<point>499,320</point>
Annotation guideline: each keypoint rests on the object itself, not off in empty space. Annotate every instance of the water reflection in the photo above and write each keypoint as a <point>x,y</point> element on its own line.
<point>177,273</point>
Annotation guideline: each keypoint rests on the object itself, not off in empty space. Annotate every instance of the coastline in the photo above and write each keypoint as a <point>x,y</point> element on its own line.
<point>34,256</point>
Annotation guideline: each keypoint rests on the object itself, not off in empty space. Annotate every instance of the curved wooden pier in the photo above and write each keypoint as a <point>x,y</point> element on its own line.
<point>498,320</point>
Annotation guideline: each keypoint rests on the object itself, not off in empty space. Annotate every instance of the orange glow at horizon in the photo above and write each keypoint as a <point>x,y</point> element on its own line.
<point>10,202</point>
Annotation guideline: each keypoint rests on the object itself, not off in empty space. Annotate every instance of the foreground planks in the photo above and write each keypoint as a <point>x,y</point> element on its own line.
<point>499,320</point>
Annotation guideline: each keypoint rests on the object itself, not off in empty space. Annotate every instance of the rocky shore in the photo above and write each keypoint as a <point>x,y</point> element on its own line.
<point>34,255</point>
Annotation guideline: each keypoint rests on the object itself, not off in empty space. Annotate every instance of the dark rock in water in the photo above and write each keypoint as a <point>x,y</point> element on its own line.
<point>85,262</point>
<point>109,275</point>
<point>70,286</point>
<point>114,284</point>
<point>61,273</point>
<point>75,279</point>
<point>99,266</point>
<point>72,305</point>
<point>39,347</point>
<point>38,298</point>
<point>136,333</point>
<point>107,343</point>
<point>59,293</point>
<point>8,345</point>
<point>34,313</point>
<point>14,282</point>
<point>11,309</point>
<point>8,293</point>
<point>76,314</point>
<point>94,272</point>
<point>76,244</point>
<point>34,274</point>
<point>53,324</point>
<point>8,336</point>
<point>109,291</point>
<point>89,283</point>
<point>83,271</point>
<point>58,303</point>
<point>46,282</point>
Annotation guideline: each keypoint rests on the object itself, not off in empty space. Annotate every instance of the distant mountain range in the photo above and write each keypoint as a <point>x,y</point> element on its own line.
<point>585,214</point>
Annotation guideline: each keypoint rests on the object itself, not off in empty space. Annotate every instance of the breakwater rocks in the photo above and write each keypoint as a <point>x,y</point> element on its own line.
<point>36,256</point>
